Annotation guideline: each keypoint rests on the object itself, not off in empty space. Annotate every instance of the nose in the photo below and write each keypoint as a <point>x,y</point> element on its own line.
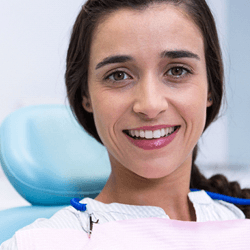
<point>150,98</point>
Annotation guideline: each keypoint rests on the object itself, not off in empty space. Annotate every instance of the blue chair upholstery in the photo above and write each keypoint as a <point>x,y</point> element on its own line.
<point>49,159</point>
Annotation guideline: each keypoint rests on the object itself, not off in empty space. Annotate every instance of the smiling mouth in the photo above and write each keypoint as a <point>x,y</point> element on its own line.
<point>151,134</point>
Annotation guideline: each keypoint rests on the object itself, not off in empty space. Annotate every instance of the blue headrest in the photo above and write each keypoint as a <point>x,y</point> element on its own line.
<point>49,158</point>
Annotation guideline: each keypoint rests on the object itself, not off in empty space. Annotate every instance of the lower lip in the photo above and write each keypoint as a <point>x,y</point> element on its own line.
<point>153,143</point>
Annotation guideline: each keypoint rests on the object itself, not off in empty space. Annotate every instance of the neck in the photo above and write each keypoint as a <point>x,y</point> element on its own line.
<point>169,192</point>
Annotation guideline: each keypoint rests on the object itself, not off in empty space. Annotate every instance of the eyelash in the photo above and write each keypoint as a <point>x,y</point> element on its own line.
<point>115,72</point>
<point>184,69</point>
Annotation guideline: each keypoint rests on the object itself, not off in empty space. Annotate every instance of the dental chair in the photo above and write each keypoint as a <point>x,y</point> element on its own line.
<point>49,159</point>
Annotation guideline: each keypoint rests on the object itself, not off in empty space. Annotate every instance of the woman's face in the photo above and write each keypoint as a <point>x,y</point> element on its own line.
<point>147,78</point>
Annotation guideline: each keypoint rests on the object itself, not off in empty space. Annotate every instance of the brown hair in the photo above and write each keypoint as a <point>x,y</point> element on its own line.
<point>76,75</point>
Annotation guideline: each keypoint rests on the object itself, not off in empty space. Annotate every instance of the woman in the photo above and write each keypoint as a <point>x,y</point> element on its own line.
<point>145,78</point>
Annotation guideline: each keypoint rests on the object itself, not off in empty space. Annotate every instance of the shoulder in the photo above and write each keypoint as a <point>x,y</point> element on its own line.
<point>208,209</point>
<point>67,217</point>
<point>230,210</point>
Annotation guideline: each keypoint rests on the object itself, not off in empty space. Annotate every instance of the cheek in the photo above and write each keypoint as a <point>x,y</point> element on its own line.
<point>102,117</point>
<point>108,110</point>
<point>193,108</point>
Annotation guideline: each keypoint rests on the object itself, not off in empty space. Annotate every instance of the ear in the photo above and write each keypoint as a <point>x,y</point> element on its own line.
<point>86,103</point>
<point>209,100</point>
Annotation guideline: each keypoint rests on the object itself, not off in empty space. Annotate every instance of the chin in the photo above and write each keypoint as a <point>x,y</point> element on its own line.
<point>152,172</point>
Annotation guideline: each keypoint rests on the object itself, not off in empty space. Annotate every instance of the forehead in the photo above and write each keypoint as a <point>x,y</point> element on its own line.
<point>158,27</point>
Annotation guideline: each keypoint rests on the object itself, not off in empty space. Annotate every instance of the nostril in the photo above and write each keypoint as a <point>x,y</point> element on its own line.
<point>149,114</point>
<point>150,108</point>
<point>145,116</point>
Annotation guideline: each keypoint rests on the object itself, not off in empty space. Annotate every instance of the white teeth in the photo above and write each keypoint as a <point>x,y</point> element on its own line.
<point>133,132</point>
<point>167,131</point>
<point>149,134</point>
<point>137,133</point>
<point>157,133</point>
<point>171,129</point>
<point>142,133</point>
<point>163,132</point>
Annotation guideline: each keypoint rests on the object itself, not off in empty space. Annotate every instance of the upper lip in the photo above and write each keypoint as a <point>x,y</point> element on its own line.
<point>156,127</point>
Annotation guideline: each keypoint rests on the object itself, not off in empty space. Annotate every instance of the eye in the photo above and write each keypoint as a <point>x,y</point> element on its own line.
<point>118,76</point>
<point>178,72</point>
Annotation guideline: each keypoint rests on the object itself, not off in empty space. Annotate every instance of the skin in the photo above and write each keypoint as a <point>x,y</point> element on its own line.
<point>151,90</point>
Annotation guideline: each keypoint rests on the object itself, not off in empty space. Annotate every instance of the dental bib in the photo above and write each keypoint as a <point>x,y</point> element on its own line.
<point>145,233</point>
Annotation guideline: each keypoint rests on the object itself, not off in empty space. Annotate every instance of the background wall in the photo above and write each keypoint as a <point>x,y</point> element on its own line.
<point>239,83</point>
<point>34,38</point>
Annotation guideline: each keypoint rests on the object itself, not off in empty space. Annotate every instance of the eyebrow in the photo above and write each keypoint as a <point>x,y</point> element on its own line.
<point>179,54</point>
<point>125,58</point>
<point>114,59</point>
